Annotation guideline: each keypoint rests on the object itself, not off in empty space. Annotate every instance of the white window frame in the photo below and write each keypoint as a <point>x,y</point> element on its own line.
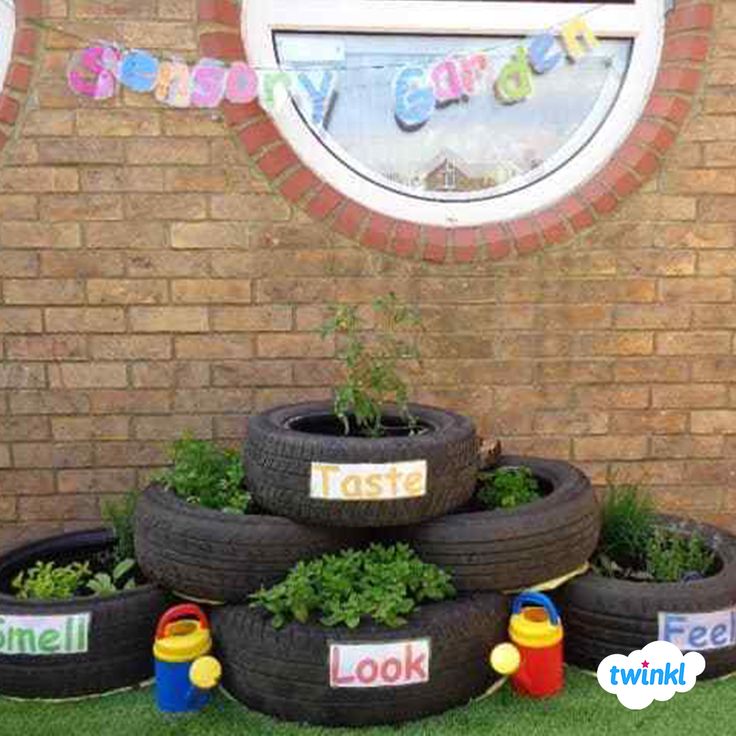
<point>643,22</point>
<point>7,34</point>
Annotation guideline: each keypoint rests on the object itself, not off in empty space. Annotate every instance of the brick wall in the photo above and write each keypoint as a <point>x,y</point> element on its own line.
<point>154,281</point>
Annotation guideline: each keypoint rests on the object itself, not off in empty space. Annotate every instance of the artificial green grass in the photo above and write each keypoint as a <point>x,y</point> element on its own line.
<point>584,709</point>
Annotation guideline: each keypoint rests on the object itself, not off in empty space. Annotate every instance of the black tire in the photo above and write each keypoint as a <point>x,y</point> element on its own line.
<point>509,549</point>
<point>121,628</point>
<point>285,673</point>
<point>211,555</point>
<point>278,462</point>
<point>605,616</point>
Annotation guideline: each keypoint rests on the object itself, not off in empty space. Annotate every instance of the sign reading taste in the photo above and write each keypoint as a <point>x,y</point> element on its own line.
<point>368,482</point>
<point>44,635</point>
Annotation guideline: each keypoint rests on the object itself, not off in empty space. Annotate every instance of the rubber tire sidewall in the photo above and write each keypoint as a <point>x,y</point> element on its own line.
<point>278,464</point>
<point>121,629</point>
<point>605,616</point>
<point>211,555</point>
<point>285,673</point>
<point>510,549</point>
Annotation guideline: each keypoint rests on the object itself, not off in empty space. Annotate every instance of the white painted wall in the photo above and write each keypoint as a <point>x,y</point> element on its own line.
<point>7,32</point>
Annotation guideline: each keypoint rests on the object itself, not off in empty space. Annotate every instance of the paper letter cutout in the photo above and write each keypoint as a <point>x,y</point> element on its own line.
<point>446,82</point>
<point>539,47</point>
<point>92,72</point>
<point>208,83</point>
<point>414,99</point>
<point>514,83</point>
<point>572,32</point>
<point>241,86</point>
<point>475,71</point>
<point>320,98</point>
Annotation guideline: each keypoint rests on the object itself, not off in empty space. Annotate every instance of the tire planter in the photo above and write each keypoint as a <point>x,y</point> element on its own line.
<point>279,455</point>
<point>286,673</point>
<point>509,549</point>
<point>116,651</point>
<point>605,616</point>
<point>210,555</point>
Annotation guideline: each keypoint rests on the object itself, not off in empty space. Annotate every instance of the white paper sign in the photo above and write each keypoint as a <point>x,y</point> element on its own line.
<point>699,631</point>
<point>391,664</point>
<point>44,635</point>
<point>368,482</point>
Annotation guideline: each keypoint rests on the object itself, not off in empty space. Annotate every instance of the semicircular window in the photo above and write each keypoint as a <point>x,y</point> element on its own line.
<point>457,113</point>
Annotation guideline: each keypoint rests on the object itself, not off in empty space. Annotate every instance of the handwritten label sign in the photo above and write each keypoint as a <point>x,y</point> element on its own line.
<point>390,664</point>
<point>699,631</point>
<point>44,635</point>
<point>368,482</point>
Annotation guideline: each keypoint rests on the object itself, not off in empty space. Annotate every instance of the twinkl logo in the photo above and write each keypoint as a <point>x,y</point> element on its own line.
<point>656,672</point>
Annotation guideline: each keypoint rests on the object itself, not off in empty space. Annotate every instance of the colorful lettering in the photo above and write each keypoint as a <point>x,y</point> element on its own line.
<point>138,71</point>
<point>572,33</point>
<point>320,98</point>
<point>208,83</point>
<point>539,47</point>
<point>514,83</point>
<point>93,72</point>
<point>446,83</point>
<point>475,70</point>
<point>414,100</point>
<point>241,86</point>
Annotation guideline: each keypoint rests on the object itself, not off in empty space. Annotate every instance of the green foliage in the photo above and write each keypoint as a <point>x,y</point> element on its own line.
<point>382,583</point>
<point>206,475</point>
<point>119,515</point>
<point>47,581</point>
<point>633,547</point>
<point>627,525</point>
<point>670,556</point>
<point>507,488</point>
<point>372,377</point>
<point>104,583</point>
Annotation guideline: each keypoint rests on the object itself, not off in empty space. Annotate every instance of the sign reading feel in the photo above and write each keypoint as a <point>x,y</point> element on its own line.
<point>368,482</point>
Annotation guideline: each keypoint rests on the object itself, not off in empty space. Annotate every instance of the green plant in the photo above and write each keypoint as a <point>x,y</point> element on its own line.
<point>104,583</point>
<point>119,515</point>
<point>382,583</point>
<point>47,581</point>
<point>372,377</point>
<point>627,525</point>
<point>204,474</point>
<point>670,556</point>
<point>507,488</point>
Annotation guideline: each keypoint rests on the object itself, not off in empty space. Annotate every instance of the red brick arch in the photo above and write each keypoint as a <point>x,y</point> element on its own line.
<point>20,70</point>
<point>687,42</point>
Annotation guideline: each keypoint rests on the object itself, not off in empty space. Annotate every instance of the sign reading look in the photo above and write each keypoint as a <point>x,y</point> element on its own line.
<point>390,664</point>
<point>368,482</point>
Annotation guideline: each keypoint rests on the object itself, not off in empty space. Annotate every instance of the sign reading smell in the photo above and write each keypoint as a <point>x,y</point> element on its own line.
<point>44,635</point>
<point>390,664</point>
<point>369,482</point>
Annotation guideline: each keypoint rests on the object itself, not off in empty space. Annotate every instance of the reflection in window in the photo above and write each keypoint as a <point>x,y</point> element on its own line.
<point>467,146</point>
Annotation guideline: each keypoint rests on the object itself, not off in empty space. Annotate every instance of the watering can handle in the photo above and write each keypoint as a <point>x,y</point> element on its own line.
<point>537,599</point>
<point>177,612</point>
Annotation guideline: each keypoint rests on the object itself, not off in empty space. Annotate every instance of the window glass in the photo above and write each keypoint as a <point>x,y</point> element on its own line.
<point>471,146</point>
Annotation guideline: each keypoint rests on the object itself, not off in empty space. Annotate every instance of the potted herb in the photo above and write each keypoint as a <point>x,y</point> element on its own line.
<point>530,520</point>
<point>369,457</point>
<point>76,614</point>
<point>654,577</point>
<point>199,533</point>
<point>358,638</point>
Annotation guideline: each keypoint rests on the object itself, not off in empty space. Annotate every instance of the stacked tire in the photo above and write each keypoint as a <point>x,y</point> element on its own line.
<point>317,491</point>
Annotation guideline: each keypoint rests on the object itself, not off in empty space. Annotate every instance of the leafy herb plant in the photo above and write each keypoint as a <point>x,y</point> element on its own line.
<point>119,515</point>
<point>104,583</point>
<point>672,556</point>
<point>507,488</point>
<point>383,584</point>
<point>372,377</point>
<point>633,547</point>
<point>206,475</point>
<point>48,581</point>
